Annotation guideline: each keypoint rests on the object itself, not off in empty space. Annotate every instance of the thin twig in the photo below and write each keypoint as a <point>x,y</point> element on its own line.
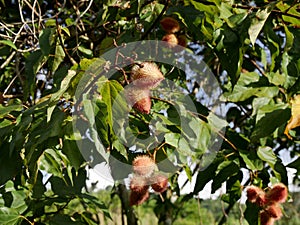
<point>7,61</point>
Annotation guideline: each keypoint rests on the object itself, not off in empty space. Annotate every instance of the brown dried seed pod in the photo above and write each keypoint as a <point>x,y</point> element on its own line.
<point>139,99</point>
<point>146,75</point>
<point>139,184</point>
<point>137,198</point>
<point>143,166</point>
<point>265,218</point>
<point>171,39</point>
<point>159,182</point>
<point>278,193</point>
<point>274,211</point>
<point>170,25</point>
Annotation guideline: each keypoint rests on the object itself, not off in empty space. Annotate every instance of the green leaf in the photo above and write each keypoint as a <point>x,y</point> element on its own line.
<point>8,43</point>
<point>251,213</point>
<point>32,65</point>
<point>109,92</point>
<point>206,175</point>
<point>172,139</point>
<point>58,57</point>
<point>270,122</point>
<point>266,154</point>
<point>226,170</point>
<point>252,161</point>
<point>257,23</point>
<point>289,38</point>
<point>86,51</point>
<point>4,110</point>
<point>45,40</point>
<point>9,216</point>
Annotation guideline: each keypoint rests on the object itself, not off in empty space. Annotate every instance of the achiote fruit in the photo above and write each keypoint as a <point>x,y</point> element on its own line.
<point>137,198</point>
<point>278,193</point>
<point>159,182</point>
<point>143,166</point>
<point>139,99</point>
<point>170,25</point>
<point>139,184</point>
<point>171,40</point>
<point>256,195</point>
<point>146,75</point>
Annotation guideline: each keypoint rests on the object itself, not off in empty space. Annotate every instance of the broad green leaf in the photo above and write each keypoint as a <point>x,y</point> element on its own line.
<point>204,176</point>
<point>252,161</point>
<point>227,170</point>
<point>266,154</point>
<point>257,23</point>
<point>9,216</point>
<point>32,65</point>
<point>45,40</point>
<point>237,19</point>
<point>4,110</point>
<point>8,43</point>
<point>252,213</point>
<point>109,92</point>
<point>269,123</point>
<point>172,139</point>
<point>71,150</point>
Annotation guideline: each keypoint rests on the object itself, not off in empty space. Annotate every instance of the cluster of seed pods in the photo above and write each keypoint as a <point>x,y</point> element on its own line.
<point>269,202</point>
<point>144,176</point>
<point>144,77</point>
<point>172,27</point>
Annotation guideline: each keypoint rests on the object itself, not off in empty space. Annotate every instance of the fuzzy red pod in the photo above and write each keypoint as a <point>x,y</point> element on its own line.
<point>256,195</point>
<point>278,193</point>
<point>253,192</point>
<point>137,198</point>
<point>139,99</point>
<point>146,75</point>
<point>143,166</point>
<point>159,182</point>
<point>265,218</point>
<point>182,41</point>
<point>171,40</point>
<point>139,184</point>
<point>274,211</point>
<point>170,25</point>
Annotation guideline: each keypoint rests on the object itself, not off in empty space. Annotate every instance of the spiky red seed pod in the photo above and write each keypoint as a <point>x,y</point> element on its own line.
<point>171,39</point>
<point>256,195</point>
<point>159,182</point>
<point>139,184</point>
<point>265,218</point>
<point>137,198</point>
<point>139,99</point>
<point>170,25</point>
<point>278,193</point>
<point>274,211</point>
<point>261,199</point>
<point>182,41</point>
<point>146,75</point>
<point>143,166</point>
<point>253,192</point>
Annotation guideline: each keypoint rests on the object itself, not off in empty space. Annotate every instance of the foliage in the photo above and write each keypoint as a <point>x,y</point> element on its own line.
<point>50,52</point>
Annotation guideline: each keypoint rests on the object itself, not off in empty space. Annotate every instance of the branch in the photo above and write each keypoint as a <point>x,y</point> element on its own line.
<point>156,20</point>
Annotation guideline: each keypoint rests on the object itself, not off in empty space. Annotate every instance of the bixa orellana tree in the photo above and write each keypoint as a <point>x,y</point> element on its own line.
<point>152,89</point>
